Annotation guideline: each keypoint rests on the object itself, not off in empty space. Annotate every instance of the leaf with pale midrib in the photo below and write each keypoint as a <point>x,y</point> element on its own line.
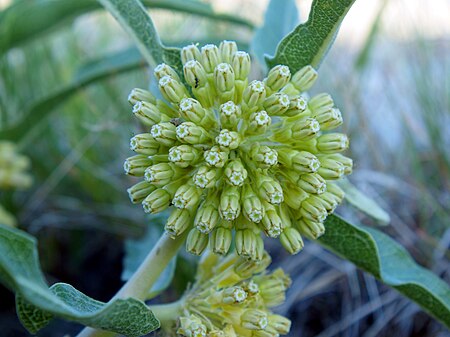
<point>37,304</point>
<point>378,254</point>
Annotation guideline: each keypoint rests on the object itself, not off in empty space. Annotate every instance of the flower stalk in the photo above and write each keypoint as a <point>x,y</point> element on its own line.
<point>143,279</point>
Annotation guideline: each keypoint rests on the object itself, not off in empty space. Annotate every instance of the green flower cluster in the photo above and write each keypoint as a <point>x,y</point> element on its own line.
<point>13,175</point>
<point>236,156</point>
<point>232,297</point>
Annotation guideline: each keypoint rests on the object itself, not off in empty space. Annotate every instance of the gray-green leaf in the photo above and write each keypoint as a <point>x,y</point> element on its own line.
<point>46,15</point>
<point>310,41</point>
<point>363,202</point>
<point>381,256</point>
<point>281,17</point>
<point>133,17</point>
<point>37,304</point>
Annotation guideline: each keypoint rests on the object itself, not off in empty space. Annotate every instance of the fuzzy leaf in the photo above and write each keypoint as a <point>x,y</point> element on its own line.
<point>133,17</point>
<point>37,304</point>
<point>378,254</point>
<point>281,17</point>
<point>309,42</point>
<point>45,16</point>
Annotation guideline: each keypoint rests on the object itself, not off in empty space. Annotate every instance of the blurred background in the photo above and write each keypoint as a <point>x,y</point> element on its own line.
<point>388,71</point>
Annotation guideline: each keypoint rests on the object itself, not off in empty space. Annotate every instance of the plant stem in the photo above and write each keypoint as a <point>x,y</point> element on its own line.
<point>143,279</point>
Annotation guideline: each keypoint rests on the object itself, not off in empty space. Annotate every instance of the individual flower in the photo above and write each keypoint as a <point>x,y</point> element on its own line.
<point>13,175</point>
<point>233,155</point>
<point>233,297</point>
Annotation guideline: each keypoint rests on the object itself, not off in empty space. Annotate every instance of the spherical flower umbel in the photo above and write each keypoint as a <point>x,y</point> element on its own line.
<point>233,297</point>
<point>237,155</point>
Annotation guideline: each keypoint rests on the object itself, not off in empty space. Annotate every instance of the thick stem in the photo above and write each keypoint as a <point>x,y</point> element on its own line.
<point>143,279</point>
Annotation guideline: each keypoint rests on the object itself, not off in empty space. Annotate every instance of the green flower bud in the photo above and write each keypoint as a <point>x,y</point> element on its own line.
<point>280,324</point>
<point>258,122</point>
<point>277,104</point>
<point>235,173</point>
<point>331,169</point>
<point>224,81</point>
<point>192,327</point>
<point>196,242</point>
<point>190,52</point>
<point>178,222</point>
<point>269,189</point>
<point>195,74</point>
<point>247,268</point>
<point>227,50</point>
<point>207,216</point>
<point>291,240</point>
<point>251,288</point>
<point>230,206</point>
<point>305,78</point>
<point>297,108</point>
<point>162,174</point>
<point>346,162</point>
<point>310,228</point>
<point>136,165</point>
<point>293,195</point>
<point>252,207</point>
<point>233,295</point>
<point>329,119</point>
<point>164,133</point>
<point>139,191</point>
<point>320,103</point>
<point>220,240</point>
<point>303,129</point>
<point>216,157</point>
<point>139,95</point>
<point>329,201</point>
<point>271,222</point>
<point>187,196</point>
<point>228,139</point>
<point>249,244</point>
<point>192,110</point>
<point>253,319</point>
<point>336,191</point>
<point>264,156</point>
<point>300,161</point>
<point>230,115</point>
<point>210,57</point>
<point>184,155</point>
<point>241,64</point>
<point>253,96</point>
<point>332,142</point>
<point>272,288</point>
<point>189,132</point>
<point>157,201</point>
<point>313,209</point>
<point>172,90</point>
<point>163,69</point>
<point>278,77</point>
<point>205,177</point>
<point>310,182</point>
<point>148,113</point>
<point>145,144</point>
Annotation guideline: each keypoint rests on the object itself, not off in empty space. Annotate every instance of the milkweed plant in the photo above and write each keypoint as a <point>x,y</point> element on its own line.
<point>232,161</point>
